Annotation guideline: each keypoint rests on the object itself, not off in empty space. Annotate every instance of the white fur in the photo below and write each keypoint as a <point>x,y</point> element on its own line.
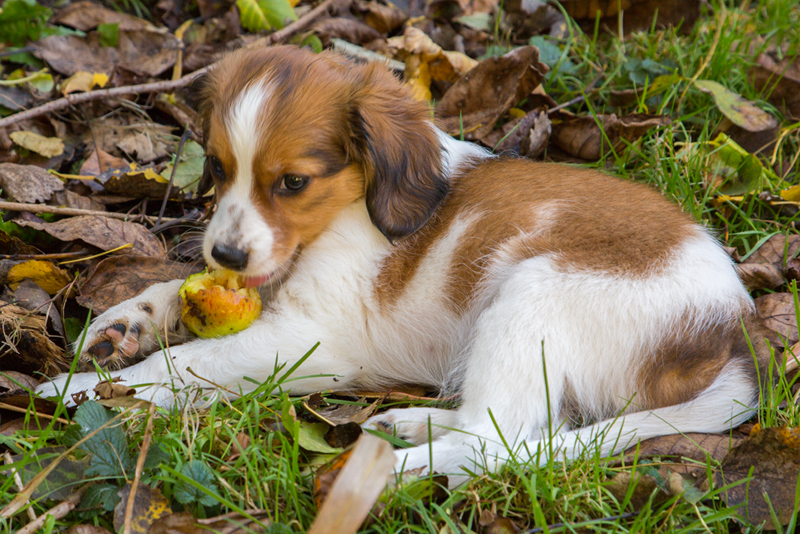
<point>237,222</point>
<point>590,329</point>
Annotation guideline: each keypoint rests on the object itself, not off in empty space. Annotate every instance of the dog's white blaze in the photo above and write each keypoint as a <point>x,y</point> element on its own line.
<point>237,221</point>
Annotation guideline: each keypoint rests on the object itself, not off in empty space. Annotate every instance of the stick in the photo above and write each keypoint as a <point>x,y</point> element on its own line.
<point>58,511</point>
<point>166,85</point>
<point>148,433</point>
<point>19,484</point>
<point>44,208</point>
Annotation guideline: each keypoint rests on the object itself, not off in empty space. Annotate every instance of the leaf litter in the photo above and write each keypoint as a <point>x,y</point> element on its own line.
<point>488,73</point>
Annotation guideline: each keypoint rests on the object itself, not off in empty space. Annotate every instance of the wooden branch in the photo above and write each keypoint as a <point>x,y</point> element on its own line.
<point>44,208</point>
<point>58,511</point>
<point>166,85</point>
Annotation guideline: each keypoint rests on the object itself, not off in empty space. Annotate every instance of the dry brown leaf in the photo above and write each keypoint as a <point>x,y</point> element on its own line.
<point>148,505</point>
<point>120,278</point>
<point>45,274</point>
<point>135,181</point>
<point>15,383</point>
<point>638,14</point>
<point>488,91</point>
<point>383,16</point>
<point>27,347</point>
<point>356,488</point>
<point>14,245</point>
<point>770,459</point>
<point>778,313</point>
<point>104,233</point>
<point>32,297</point>
<point>338,414</point>
<point>692,446</point>
<point>535,17</point>
<point>111,389</point>
<point>28,183</point>
<point>147,53</point>
<point>101,161</point>
<point>232,523</point>
<point>496,524</point>
<point>86,16</point>
<point>526,136</point>
<point>779,250</point>
<point>350,30</point>
<point>760,276</point>
<point>582,136</point>
<point>643,487</point>
<point>780,81</point>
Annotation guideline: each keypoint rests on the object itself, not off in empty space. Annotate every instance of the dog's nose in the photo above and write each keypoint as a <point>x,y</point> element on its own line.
<point>230,257</point>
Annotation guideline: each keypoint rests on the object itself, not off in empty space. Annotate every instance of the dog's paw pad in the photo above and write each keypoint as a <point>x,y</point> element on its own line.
<point>114,346</point>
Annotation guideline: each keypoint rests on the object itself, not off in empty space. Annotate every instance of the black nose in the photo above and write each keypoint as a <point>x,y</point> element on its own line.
<point>230,257</point>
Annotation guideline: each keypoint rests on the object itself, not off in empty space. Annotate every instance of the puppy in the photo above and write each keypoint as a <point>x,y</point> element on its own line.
<point>545,294</point>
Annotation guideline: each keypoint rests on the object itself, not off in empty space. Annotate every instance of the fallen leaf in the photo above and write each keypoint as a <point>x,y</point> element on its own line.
<point>778,313</point>
<point>769,459</point>
<point>733,170</point>
<point>48,147</point>
<point>83,81</point>
<point>352,31</point>
<point>760,276</point>
<point>356,488</point>
<point>638,14</point>
<point>134,181</point>
<point>144,52</point>
<point>111,389</point>
<point>583,137</point>
<point>32,297</point>
<point>28,183</point>
<point>101,161</point>
<point>738,110</point>
<point>104,233</point>
<point>231,523</point>
<point>695,447</point>
<point>339,414</point>
<point>526,136</point>
<point>86,16</point>
<point>312,438</point>
<point>258,15</point>
<point>644,482</point>
<point>45,274</point>
<point>488,91</point>
<point>120,278</point>
<point>383,16</point>
<point>88,529</point>
<point>14,383</point>
<point>780,81</point>
<point>148,505</point>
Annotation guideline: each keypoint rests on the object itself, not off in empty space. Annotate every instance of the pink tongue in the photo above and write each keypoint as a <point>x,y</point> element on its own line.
<point>255,281</point>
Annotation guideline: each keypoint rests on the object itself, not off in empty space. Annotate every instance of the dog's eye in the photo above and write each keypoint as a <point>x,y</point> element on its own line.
<point>293,182</point>
<point>215,166</point>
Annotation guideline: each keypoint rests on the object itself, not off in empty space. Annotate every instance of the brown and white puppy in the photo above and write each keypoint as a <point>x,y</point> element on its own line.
<point>414,258</point>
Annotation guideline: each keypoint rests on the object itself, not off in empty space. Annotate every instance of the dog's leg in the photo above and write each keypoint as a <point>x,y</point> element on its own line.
<point>506,386</point>
<point>414,425</point>
<point>236,362</point>
<point>134,327</point>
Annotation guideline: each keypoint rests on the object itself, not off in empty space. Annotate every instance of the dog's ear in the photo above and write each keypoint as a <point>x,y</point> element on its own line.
<point>395,142</point>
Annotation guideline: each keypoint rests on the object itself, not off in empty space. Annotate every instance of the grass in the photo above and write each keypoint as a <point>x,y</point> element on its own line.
<point>250,446</point>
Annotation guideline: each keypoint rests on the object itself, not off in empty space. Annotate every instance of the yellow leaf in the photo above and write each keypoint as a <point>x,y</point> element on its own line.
<point>46,275</point>
<point>418,77</point>
<point>792,194</point>
<point>99,79</point>
<point>82,82</point>
<point>48,147</point>
<point>516,113</point>
<point>148,173</point>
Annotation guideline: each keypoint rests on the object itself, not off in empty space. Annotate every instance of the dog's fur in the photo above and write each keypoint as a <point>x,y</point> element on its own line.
<point>417,259</point>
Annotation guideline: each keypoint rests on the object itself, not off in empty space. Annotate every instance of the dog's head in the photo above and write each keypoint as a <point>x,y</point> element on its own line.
<point>292,138</point>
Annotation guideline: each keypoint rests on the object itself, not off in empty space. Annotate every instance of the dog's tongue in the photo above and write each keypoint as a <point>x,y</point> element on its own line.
<point>254,281</point>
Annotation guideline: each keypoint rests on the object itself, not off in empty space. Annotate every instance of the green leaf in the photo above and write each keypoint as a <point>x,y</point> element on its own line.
<point>738,110</point>
<point>155,457</point>
<point>550,54</point>
<point>109,34</point>
<point>477,21</point>
<point>743,171</point>
<point>21,21</point>
<point>190,168</point>
<point>109,447</point>
<point>312,438</point>
<point>105,495</point>
<point>256,15</point>
<point>187,493</point>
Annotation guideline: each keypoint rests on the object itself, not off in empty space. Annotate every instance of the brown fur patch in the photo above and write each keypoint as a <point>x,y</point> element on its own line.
<point>587,220</point>
<point>686,366</point>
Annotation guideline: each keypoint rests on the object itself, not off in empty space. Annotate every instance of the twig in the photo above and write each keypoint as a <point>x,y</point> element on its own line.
<point>44,208</point>
<point>162,86</point>
<point>18,482</point>
<point>58,511</point>
<point>59,256</point>
<point>148,433</point>
<point>184,137</point>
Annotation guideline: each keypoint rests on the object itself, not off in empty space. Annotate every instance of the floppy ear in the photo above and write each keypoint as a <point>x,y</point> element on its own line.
<point>400,153</point>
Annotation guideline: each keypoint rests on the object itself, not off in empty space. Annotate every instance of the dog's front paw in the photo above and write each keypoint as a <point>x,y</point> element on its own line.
<point>132,329</point>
